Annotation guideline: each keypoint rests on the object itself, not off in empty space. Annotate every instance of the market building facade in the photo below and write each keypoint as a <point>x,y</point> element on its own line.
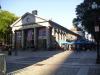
<point>31,31</point>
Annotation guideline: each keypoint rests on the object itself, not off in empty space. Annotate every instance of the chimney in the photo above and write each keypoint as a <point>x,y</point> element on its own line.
<point>34,12</point>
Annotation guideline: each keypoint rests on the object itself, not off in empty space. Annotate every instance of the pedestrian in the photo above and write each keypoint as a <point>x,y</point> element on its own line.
<point>9,51</point>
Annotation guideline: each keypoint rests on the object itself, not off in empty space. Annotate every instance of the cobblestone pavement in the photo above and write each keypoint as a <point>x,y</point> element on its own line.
<point>54,63</point>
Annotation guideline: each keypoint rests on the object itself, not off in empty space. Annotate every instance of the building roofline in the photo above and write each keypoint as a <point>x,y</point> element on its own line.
<point>52,23</point>
<point>61,27</point>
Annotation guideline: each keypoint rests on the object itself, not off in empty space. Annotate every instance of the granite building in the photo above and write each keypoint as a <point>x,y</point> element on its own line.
<point>31,31</point>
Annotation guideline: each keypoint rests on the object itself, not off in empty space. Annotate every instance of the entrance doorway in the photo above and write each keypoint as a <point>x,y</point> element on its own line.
<point>29,38</point>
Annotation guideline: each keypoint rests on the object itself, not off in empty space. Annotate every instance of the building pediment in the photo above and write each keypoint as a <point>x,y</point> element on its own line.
<point>24,20</point>
<point>29,20</point>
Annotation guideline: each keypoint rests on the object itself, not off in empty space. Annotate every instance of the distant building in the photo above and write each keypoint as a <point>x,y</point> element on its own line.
<point>31,31</point>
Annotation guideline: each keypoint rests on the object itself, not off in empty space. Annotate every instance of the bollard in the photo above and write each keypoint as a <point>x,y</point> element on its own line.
<point>2,64</point>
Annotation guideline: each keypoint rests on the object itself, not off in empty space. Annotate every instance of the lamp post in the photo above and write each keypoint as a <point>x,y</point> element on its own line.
<point>96,28</point>
<point>97,42</point>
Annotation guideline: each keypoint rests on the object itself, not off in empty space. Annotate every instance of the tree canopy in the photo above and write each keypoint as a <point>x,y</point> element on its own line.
<point>6,19</point>
<point>86,16</point>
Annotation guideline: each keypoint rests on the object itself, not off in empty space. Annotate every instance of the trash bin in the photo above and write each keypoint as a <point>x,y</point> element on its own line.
<point>2,64</point>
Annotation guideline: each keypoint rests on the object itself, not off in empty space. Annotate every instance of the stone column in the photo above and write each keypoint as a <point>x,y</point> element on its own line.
<point>58,35</point>
<point>64,37</point>
<point>22,39</point>
<point>13,39</point>
<point>35,37</point>
<point>48,36</point>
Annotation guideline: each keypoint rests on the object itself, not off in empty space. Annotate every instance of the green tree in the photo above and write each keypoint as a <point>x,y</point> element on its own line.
<point>86,16</point>
<point>6,19</point>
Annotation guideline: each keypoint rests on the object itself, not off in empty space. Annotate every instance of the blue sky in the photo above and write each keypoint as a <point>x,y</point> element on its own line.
<point>60,11</point>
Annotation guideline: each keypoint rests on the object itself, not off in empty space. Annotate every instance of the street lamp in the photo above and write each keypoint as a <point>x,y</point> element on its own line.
<point>96,28</point>
<point>97,42</point>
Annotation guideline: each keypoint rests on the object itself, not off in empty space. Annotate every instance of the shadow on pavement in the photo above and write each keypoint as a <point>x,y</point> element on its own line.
<point>29,60</point>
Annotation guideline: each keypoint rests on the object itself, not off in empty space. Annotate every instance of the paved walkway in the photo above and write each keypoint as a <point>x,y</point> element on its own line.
<point>54,63</point>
